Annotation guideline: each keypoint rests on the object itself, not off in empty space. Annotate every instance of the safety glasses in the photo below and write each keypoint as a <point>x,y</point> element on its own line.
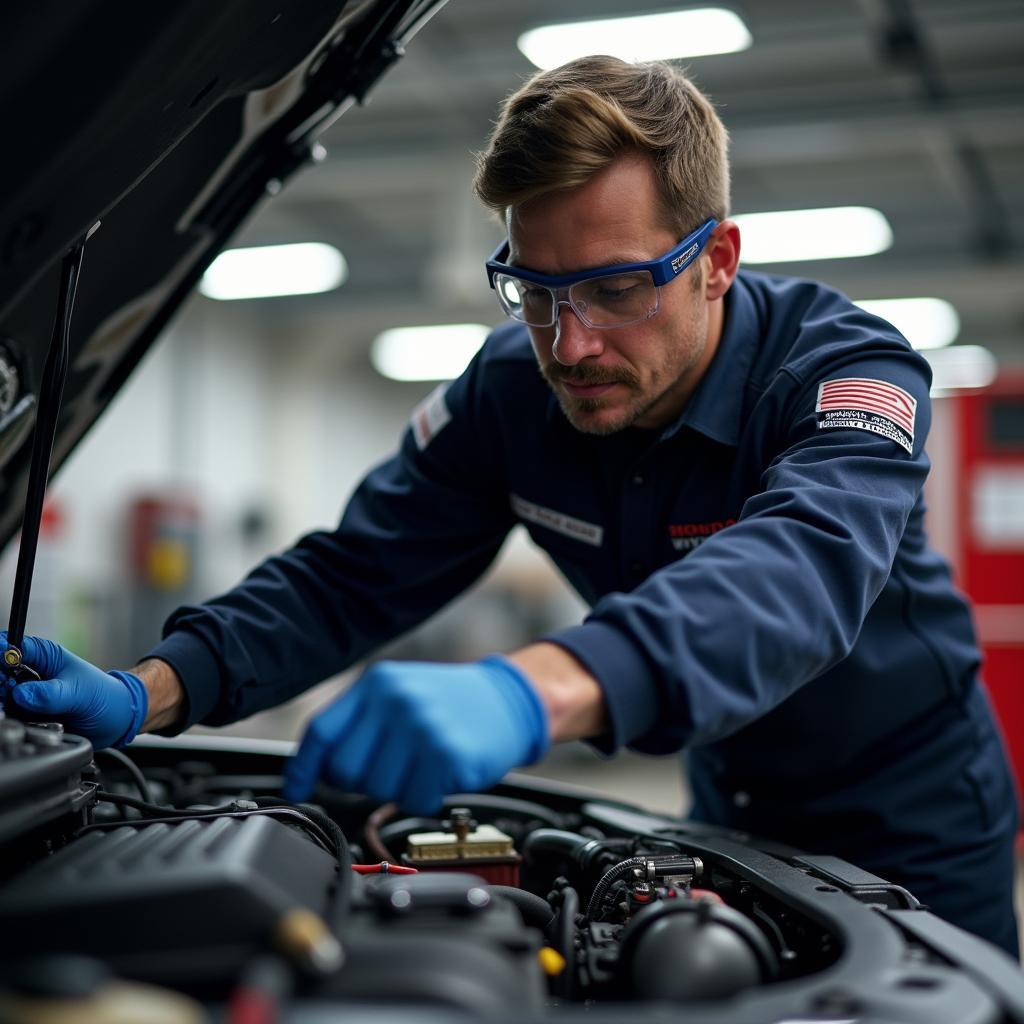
<point>613,296</point>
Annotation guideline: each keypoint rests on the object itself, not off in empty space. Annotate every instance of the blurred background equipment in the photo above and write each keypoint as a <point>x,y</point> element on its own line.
<point>163,537</point>
<point>977,508</point>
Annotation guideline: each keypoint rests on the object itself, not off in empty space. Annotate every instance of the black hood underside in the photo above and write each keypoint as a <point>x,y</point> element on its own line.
<point>167,124</point>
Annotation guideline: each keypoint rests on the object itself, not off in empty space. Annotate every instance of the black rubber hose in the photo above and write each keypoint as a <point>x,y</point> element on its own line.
<point>555,842</point>
<point>565,941</point>
<point>620,870</point>
<point>151,810</point>
<point>536,910</point>
<point>570,846</point>
<point>133,770</point>
<point>403,828</point>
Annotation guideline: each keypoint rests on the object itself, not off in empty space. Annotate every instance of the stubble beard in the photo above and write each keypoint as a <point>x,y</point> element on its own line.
<point>582,412</point>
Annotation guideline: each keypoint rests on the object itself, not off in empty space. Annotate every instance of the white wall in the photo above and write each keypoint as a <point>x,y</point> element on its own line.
<point>193,419</point>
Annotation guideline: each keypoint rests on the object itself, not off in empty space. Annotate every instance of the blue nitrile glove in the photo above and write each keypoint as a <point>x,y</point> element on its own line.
<point>107,708</point>
<point>413,732</point>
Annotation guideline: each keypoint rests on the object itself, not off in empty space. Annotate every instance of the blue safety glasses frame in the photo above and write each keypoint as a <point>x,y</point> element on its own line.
<point>504,279</point>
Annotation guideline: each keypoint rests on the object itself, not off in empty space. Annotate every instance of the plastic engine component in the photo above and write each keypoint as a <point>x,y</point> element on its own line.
<point>185,902</point>
<point>441,940</point>
<point>40,776</point>
<point>691,950</point>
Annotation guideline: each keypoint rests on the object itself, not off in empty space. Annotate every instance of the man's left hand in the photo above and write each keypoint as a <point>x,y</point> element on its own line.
<point>413,732</point>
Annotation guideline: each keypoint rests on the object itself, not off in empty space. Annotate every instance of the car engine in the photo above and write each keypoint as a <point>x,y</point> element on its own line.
<point>173,884</point>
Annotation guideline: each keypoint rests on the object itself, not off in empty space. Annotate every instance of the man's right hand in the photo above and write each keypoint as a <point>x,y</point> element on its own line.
<point>107,708</point>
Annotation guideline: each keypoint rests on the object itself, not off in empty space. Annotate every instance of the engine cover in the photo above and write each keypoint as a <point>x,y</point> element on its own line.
<point>167,902</point>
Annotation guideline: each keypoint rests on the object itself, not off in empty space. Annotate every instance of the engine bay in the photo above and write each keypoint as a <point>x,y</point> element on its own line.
<point>173,883</point>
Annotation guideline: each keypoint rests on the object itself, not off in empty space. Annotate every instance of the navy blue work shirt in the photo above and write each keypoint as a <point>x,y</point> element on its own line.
<point>761,587</point>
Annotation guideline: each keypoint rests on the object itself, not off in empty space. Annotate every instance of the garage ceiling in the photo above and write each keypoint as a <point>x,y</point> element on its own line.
<point>915,107</point>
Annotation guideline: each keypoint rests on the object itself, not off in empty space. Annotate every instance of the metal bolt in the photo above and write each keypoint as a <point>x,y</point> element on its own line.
<point>477,897</point>
<point>460,821</point>
<point>401,899</point>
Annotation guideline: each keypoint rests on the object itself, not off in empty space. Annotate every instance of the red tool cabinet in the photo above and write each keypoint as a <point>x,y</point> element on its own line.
<point>976,515</point>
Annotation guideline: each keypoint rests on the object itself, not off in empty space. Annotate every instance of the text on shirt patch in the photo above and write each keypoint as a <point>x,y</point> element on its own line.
<point>865,404</point>
<point>430,417</point>
<point>588,533</point>
<point>687,536</point>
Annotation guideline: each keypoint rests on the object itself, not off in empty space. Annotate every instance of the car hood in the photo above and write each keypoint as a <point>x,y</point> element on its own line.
<point>166,124</point>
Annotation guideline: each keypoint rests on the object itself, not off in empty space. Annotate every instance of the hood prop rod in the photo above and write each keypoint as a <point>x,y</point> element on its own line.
<point>51,391</point>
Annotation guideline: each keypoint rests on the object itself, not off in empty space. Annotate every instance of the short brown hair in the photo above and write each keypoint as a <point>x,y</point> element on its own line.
<point>565,125</point>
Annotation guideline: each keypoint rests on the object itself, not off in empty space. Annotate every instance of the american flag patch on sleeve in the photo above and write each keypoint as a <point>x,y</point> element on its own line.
<point>430,417</point>
<point>865,404</point>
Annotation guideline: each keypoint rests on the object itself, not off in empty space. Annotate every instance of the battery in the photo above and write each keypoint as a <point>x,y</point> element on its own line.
<point>483,850</point>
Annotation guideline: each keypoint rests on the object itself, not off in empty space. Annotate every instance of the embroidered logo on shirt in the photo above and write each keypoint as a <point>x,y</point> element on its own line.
<point>589,533</point>
<point>430,417</point>
<point>687,536</point>
<point>867,404</point>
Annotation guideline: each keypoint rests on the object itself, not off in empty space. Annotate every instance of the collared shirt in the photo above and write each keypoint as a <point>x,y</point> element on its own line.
<point>760,582</point>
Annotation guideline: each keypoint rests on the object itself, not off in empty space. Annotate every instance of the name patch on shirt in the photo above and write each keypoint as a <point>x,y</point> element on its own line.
<point>865,404</point>
<point>588,533</point>
<point>430,417</point>
<point>687,536</point>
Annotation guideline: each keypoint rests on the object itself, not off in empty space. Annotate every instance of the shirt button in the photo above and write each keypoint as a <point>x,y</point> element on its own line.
<point>741,799</point>
<point>639,479</point>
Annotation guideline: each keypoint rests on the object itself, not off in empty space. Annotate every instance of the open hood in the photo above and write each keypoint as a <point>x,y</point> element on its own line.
<point>166,124</point>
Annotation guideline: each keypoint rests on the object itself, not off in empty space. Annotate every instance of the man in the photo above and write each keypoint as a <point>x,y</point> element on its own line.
<point>727,465</point>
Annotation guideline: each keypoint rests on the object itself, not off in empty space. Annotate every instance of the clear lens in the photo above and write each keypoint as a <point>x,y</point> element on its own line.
<point>533,304</point>
<point>612,301</point>
<point>615,300</point>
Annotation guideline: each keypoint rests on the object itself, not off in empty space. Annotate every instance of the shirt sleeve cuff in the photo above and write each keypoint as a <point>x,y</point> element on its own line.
<point>199,673</point>
<point>630,691</point>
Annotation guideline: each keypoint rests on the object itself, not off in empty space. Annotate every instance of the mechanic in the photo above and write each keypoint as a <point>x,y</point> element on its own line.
<point>727,465</point>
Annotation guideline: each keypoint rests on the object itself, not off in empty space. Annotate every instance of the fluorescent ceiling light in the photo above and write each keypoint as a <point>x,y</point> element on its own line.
<point>440,352</point>
<point>831,233</point>
<point>961,366</point>
<point>301,268</point>
<point>925,322</point>
<point>693,33</point>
